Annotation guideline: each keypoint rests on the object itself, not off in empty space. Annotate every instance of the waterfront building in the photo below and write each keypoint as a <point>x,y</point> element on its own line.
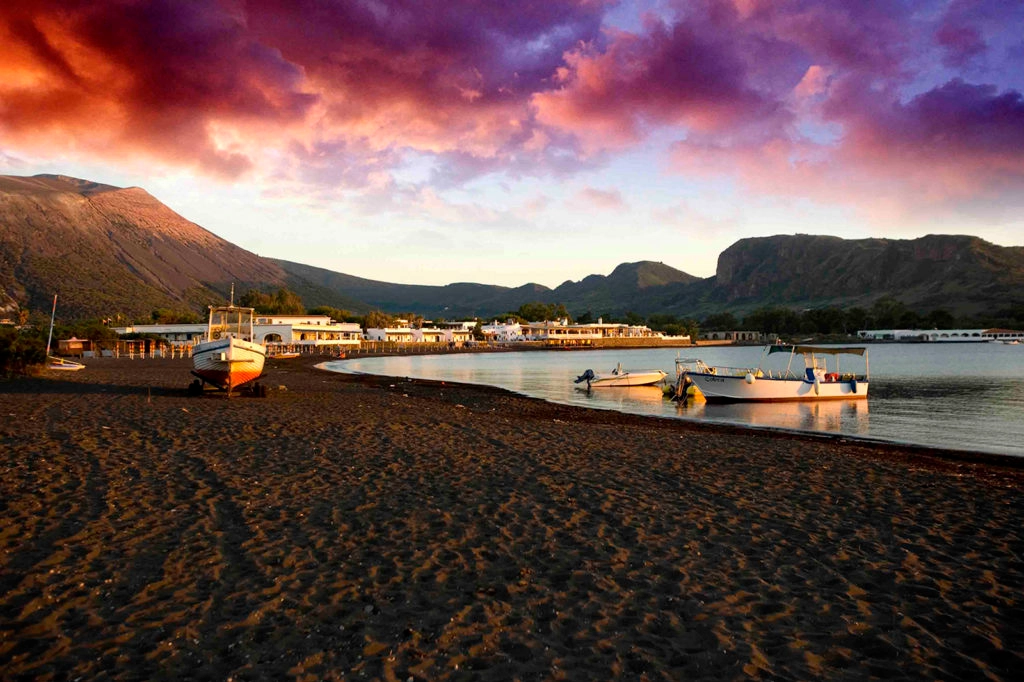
<point>942,335</point>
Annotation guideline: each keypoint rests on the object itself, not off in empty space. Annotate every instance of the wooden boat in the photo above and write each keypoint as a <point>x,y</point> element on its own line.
<point>52,361</point>
<point>815,382</point>
<point>619,377</point>
<point>228,357</point>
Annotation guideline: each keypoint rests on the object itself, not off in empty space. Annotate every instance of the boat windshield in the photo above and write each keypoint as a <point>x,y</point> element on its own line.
<point>231,320</point>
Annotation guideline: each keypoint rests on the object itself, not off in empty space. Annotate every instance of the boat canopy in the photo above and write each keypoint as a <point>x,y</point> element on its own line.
<point>819,350</point>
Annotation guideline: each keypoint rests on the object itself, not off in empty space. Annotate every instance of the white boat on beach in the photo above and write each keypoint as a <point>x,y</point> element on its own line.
<point>52,361</point>
<point>228,357</point>
<point>620,377</point>
<point>813,381</point>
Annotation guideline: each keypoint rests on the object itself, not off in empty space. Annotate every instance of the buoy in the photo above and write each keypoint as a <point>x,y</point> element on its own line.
<point>853,385</point>
<point>817,386</point>
<point>693,393</point>
<point>749,378</point>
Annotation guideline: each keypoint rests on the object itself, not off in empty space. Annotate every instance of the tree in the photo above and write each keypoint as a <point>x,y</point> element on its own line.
<point>376,319</point>
<point>281,302</point>
<point>634,320</point>
<point>19,352</point>
<point>169,316</point>
<point>336,314</point>
<point>940,319</point>
<point>856,319</point>
<point>721,322</point>
<point>886,312</point>
<point>539,312</point>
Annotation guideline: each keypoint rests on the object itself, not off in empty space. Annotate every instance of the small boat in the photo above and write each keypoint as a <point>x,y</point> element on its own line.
<point>63,364</point>
<point>52,361</point>
<point>228,357</point>
<point>814,382</point>
<point>620,377</point>
<point>283,354</point>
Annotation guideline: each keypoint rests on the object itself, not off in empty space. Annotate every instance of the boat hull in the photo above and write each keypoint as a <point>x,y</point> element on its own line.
<point>718,388</point>
<point>62,365</point>
<point>627,379</point>
<point>228,363</point>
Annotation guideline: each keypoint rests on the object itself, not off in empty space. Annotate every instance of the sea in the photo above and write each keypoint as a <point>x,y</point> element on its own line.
<point>962,396</point>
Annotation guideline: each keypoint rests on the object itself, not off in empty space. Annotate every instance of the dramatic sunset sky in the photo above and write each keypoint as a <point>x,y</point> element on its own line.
<point>431,142</point>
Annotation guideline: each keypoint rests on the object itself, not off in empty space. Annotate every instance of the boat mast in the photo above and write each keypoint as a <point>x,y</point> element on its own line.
<point>53,313</point>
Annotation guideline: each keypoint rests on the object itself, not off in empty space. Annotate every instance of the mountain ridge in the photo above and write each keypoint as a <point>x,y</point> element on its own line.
<point>120,250</point>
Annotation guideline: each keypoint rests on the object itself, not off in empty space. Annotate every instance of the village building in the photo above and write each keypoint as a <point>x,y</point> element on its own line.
<point>306,330</point>
<point>503,332</point>
<point>299,331</point>
<point>389,334</point>
<point>561,333</point>
<point>942,335</point>
<point>735,336</point>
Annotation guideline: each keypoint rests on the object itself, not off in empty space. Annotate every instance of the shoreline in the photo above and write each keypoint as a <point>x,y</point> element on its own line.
<point>367,526</point>
<point>958,453</point>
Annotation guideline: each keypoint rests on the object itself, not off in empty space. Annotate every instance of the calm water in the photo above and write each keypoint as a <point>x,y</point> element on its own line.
<point>963,396</point>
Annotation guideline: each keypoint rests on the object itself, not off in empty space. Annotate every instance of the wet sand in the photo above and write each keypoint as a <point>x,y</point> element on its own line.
<point>371,528</point>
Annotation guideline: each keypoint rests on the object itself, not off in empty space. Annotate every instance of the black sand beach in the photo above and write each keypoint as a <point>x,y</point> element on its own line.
<point>370,528</point>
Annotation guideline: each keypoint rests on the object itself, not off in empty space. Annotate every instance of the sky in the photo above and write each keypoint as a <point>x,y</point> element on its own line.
<point>430,142</point>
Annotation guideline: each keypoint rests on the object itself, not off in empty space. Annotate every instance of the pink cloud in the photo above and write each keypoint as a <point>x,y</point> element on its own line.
<point>591,198</point>
<point>682,74</point>
<point>338,93</point>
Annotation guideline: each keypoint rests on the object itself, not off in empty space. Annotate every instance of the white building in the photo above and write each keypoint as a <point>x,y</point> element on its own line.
<point>306,330</point>
<point>392,334</point>
<point>284,330</point>
<point>507,332</point>
<point>942,335</point>
<point>443,334</point>
<point>173,334</point>
<point>561,333</point>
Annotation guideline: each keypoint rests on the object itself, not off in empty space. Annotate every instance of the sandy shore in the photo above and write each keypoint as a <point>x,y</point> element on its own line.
<point>365,528</point>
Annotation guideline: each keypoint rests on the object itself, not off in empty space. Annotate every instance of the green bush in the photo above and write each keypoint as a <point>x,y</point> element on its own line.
<point>20,352</point>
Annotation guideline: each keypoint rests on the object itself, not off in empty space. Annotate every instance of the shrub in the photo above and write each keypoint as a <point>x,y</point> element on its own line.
<point>19,353</point>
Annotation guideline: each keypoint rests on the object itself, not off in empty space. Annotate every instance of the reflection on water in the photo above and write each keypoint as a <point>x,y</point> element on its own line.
<point>841,416</point>
<point>944,395</point>
<point>623,396</point>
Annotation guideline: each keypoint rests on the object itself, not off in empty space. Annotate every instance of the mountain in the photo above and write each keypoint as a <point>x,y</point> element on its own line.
<point>109,250</point>
<point>449,301</point>
<point>624,289</point>
<point>959,273</point>
<point>627,288</point>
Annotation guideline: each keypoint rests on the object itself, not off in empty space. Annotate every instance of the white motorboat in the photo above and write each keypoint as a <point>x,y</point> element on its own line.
<point>620,377</point>
<point>814,382</point>
<point>228,357</point>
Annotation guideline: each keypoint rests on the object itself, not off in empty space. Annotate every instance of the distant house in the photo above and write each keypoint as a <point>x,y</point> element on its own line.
<point>285,330</point>
<point>506,332</point>
<point>392,334</point>
<point>428,335</point>
<point>942,335</point>
<point>561,333</point>
<point>73,346</point>
<point>306,330</point>
<point>735,336</point>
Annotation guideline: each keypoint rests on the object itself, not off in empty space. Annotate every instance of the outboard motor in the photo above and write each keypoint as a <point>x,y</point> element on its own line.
<point>586,376</point>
